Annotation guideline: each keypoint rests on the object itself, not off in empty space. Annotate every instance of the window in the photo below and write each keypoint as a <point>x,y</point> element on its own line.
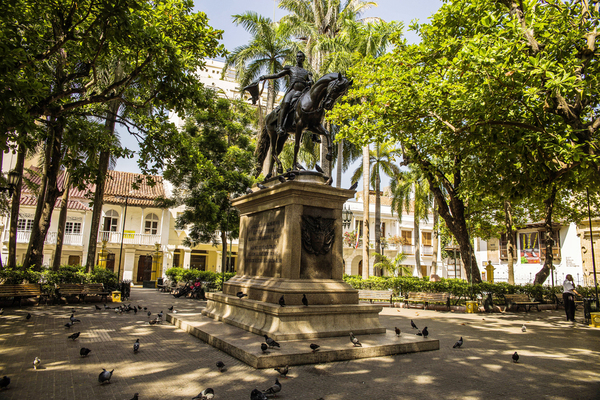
<point>73,228</point>
<point>151,226</point>
<point>426,238</point>
<point>24,224</point>
<point>111,221</point>
<point>406,237</point>
<point>382,229</point>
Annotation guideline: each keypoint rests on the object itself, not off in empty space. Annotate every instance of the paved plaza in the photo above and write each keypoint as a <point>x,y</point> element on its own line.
<point>558,360</point>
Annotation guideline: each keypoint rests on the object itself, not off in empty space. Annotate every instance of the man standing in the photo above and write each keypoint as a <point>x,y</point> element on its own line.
<point>299,80</point>
<point>569,294</point>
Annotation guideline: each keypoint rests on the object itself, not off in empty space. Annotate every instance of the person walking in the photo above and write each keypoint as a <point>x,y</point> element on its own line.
<point>569,294</point>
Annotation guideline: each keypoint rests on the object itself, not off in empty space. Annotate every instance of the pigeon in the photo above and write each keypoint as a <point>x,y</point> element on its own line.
<point>281,301</point>
<point>353,186</point>
<point>153,321</point>
<point>304,300</point>
<point>36,363</point>
<point>84,352</point>
<point>523,328</point>
<point>69,324</point>
<point>282,371</point>
<point>261,186</point>
<point>515,357</point>
<point>221,366</point>
<point>264,347</point>
<point>73,311</point>
<point>257,395</point>
<point>105,376</point>
<point>73,319</point>
<point>299,167</point>
<point>413,325</point>
<point>74,336</point>
<point>28,317</point>
<point>136,346</point>
<point>319,169</point>
<point>97,308</point>
<point>458,343</point>
<point>4,382</point>
<point>281,179</point>
<point>249,191</point>
<point>425,332</point>
<point>145,308</point>
<point>271,342</point>
<point>149,313</point>
<point>329,181</point>
<point>291,177</point>
<point>397,331</point>
<point>206,394</point>
<point>273,390</point>
<point>139,307</point>
<point>135,310</point>
<point>160,314</point>
<point>170,308</point>
<point>106,307</point>
<point>314,347</point>
<point>241,295</point>
<point>135,397</point>
<point>354,340</point>
<point>268,176</point>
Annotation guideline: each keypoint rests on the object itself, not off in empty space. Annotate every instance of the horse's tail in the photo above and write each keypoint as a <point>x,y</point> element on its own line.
<point>262,149</point>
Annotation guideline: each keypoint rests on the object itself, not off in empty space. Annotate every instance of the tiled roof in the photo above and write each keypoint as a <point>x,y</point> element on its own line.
<point>118,186</point>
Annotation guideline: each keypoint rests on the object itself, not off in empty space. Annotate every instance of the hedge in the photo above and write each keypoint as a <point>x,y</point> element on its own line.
<point>177,274</point>
<point>459,288</point>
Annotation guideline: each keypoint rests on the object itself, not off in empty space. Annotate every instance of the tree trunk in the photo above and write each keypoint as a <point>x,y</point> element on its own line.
<point>435,241</point>
<point>14,209</point>
<point>62,221</point>
<point>417,245</point>
<point>377,205</point>
<point>338,166</point>
<point>366,198</point>
<point>543,273</point>
<point>224,252</point>
<point>35,253</point>
<point>510,237</point>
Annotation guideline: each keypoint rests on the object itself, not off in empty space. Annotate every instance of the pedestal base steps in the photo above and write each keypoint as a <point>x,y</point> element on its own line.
<point>245,346</point>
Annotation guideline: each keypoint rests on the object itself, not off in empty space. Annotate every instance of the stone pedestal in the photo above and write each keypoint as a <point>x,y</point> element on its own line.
<point>291,245</point>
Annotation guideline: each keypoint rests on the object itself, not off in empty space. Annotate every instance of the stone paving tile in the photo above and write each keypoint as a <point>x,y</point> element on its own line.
<point>558,360</point>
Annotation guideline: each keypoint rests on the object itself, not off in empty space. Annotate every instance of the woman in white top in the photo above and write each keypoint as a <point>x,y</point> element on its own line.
<point>569,294</point>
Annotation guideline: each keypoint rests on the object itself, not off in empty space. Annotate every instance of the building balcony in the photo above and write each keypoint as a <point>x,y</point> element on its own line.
<point>25,236</point>
<point>129,238</point>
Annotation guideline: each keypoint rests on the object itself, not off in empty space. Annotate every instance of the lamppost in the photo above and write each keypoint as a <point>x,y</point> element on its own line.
<point>346,217</point>
<point>12,179</point>
<point>592,243</point>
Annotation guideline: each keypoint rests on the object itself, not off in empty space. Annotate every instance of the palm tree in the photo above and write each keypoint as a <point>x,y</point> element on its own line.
<point>412,187</point>
<point>381,160</point>
<point>267,51</point>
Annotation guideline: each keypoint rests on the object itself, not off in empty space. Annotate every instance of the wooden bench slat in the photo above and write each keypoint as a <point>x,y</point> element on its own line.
<point>426,298</point>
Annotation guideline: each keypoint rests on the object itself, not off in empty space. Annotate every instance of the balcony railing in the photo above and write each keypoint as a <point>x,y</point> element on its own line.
<point>129,238</point>
<point>426,250</point>
<point>25,236</point>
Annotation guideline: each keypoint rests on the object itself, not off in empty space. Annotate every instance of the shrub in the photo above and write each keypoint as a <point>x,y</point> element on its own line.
<point>17,276</point>
<point>175,274</point>
<point>102,275</point>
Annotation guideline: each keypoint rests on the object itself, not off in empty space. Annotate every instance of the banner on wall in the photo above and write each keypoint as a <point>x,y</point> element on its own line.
<point>530,247</point>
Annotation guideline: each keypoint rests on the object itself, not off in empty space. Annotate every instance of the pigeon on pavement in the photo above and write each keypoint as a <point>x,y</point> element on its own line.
<point>28,316</point>
<point>73,319</point>
<point>523,328</point>
<point>271,342</point>
<point>291,176</point>
<point>515,357</point>
<point>106,307</point>
<point>160,314</point>
<point>74,336</point>
<point>135,396</point>
<point>149,313</point>
<point>397,331</point>
<point>170,308</point>
<point>413,325</point>
<point>136,346</point>
<point>283,371</point>
<point>241,295</point>
<point>221,366</point>
<point>458,343</point>
<point>281,179</point>
<point>354,340</point>
<point>69,324</point>
<point>206,394</point>
<point>314,347</point>
<point>261,186</point>
<point>249,191</point>
<point>264,347</point>
<point>84,352</point>
<point>273,390</point>
<point>304,300</point>
<point>258,395</point>
<point>282,301</point>
<point>97,308</point>
<point>36,363</point>
<point>105,376</point>
<point>4,382</point>
<point>425,332</point>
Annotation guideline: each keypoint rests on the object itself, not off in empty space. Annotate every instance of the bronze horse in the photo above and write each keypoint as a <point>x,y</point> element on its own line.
<point>307,115</point>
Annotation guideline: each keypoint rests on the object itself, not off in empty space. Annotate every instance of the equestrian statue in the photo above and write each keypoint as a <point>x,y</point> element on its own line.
<point>302,108</point>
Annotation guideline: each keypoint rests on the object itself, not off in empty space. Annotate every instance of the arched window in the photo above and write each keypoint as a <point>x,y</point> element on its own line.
<point>151,226</point>
<point>111,221</point>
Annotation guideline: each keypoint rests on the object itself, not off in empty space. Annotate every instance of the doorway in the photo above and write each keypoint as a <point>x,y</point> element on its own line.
<point>110,262</point>
<point>144,272</point>
<point>360,268</point>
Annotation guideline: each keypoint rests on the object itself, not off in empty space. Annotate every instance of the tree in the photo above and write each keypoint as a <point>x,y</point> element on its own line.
<point>54,51</point>
<point>212,165</point>
<point>394,267</point>
<point>266,52</point>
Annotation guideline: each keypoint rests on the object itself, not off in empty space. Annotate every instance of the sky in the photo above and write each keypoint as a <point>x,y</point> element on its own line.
<point>220,13</point>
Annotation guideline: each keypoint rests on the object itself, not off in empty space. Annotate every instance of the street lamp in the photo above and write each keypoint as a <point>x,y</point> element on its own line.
<point>346,217</point>
<point>12,180</point>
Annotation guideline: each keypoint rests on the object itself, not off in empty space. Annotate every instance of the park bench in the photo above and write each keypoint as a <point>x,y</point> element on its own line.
<point>426,298</point>
<point>520,300</point>
<point>23,290</point>
<point>558,300</point>
<point>94,289</point>
<point>371,295</point>
<point>71,290</point>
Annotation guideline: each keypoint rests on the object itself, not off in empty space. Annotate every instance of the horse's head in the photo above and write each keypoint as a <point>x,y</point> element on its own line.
<point>337,87</point>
